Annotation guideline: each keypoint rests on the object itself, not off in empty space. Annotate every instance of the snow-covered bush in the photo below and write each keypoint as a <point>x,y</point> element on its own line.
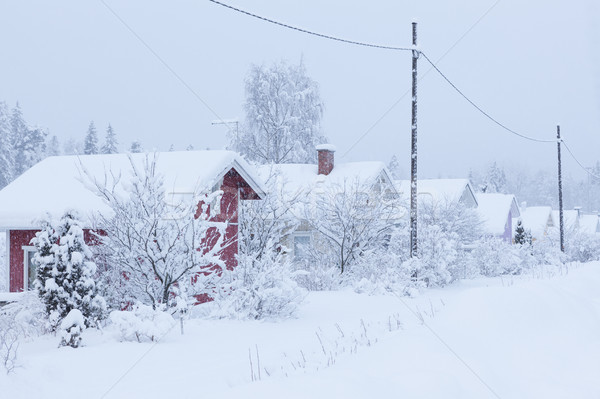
<point>349,222</point>
<point>260,288</point>
<point>316,275</point>
<point>19,320</point>
<point>494,257</point>
<point>71,328</point>
<point>438,252</point>
<point>581,246</point>
<point>66,274</point>
<point>150,247</point>
<point>141,323</point>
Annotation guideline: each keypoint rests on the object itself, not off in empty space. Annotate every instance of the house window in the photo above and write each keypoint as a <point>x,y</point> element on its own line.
<point>301,246</point>
<point>30,267</point>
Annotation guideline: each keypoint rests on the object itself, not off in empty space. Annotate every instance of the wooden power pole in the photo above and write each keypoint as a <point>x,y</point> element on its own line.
<point>560,198</point>
<point>413,152</point>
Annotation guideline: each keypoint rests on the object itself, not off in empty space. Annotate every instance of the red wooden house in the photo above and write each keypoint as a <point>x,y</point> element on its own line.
<point>57,184</point>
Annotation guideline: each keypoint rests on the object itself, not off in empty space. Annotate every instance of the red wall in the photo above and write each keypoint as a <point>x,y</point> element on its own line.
<point>19,239</point>
<point>232,184</point>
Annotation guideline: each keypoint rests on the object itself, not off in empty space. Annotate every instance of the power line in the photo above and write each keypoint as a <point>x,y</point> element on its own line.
<point>481,110</point>
<point>421,78</point>
<point>321,35</point>
<point>579,163</point>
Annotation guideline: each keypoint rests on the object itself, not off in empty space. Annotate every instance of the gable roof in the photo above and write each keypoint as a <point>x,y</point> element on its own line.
<point>58,183</point>
<point>536,219</point>
<point>303,178</point>
<point>495,209</point>
<point>570,218</point>
<point>589,224</point>
<point>441,190</point>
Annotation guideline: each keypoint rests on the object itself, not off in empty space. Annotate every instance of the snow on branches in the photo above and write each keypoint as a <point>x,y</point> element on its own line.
<point>152,249</point>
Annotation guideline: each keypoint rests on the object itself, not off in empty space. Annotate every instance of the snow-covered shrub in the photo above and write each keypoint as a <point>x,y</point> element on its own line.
<point>317,275</point>
<point>150,246</point>
<point>19,321</point>
<point>350,220</point>
<point>438,252</point>
<point>71,328</point>
<point>66,274</point>
<point>494,257</point>
<point>141,323</point>
<point>581,246</point>
<point>260,288</point>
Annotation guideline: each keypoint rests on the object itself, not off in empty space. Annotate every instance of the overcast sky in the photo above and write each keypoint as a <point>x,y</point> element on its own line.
<point>529,63</point>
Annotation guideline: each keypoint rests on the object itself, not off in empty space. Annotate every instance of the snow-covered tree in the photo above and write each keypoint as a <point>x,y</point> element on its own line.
<point>90,144</point>
<point>495,180</point>
<point>136,147</point>
<point>110,142</point>
<point>72,146</point>
<point>7,159</point>
<point>522,237</point>
<point>66,274</point>
<point>29,144</point>
<point>395,168</point>
<point>283,115</point>
<point>350,220</point>
<point>53,147</point>
<point>154,251</point>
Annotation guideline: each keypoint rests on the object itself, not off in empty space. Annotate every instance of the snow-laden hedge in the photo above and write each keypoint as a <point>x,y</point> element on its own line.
<point>141,323</point>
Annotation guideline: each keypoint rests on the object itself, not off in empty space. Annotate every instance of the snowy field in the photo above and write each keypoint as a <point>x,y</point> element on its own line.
<point>522,337</point>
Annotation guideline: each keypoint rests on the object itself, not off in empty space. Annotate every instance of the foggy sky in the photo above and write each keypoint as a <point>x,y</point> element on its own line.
<point>531,64</point>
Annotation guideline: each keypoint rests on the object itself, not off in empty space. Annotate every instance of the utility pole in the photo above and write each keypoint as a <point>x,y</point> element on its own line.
<point>560,198</point>
<point>413,151</point>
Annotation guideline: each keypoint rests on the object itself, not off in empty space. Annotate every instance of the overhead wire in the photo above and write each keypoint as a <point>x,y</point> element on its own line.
<point>321,35</point>
<point>503,126</point>
<point>587,170</point>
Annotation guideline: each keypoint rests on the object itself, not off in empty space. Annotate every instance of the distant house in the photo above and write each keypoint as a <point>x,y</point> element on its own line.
<point>589,224</point>
<point>571,218</point>
<point>56,184</point>
<point>307,182</point>
<point>497,212</point>
<point>441,191</point>
<point>539,220</point>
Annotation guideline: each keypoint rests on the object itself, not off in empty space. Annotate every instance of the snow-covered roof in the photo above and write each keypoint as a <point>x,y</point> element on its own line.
<point>494,210</point>
<point>537,219</point>
<point>589,224</point>
<point>570,218</point>
<point>441,190</point>
<point>58,183</point>
<point>304,178</point>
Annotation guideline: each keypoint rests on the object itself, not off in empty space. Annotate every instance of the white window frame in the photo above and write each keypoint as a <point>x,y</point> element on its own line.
<point>26,249</point>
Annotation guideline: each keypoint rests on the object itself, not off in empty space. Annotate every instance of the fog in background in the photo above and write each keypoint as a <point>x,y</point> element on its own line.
<point>531,64</point>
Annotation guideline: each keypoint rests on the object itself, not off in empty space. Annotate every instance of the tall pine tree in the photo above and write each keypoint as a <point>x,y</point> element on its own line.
<point>110,143</point>
<point>90,145</point>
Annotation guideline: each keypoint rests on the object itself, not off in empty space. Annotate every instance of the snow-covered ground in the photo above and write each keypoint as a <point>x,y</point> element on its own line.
<point>521,337</point>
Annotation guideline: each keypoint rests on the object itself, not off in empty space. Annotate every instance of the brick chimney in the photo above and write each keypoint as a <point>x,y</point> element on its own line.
<point>325,156</point>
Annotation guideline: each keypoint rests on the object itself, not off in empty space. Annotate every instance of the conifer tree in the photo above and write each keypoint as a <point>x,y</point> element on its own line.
<point>53,147</point>
<point>90,145</point>
<point>136,146</point>
<point>29,144</point>
<point>6,149</point>
<point>395,168</point>
<point>522,237</point>
<point>65,275</point>
<point>110,144</point>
